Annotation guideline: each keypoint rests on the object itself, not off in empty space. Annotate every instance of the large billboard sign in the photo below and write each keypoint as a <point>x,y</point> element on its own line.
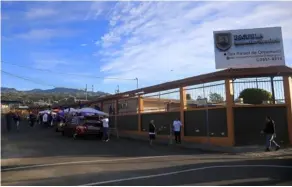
<point>247,48</point>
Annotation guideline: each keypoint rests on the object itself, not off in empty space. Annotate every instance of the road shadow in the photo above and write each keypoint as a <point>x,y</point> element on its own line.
<point>39,142</point>
<point>179,175</point>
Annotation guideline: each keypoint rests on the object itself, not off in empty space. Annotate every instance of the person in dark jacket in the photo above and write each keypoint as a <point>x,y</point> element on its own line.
<point>50,119</point>
<point>9,116</point>
<point>32,119</point>
<point>270,132</point>
<point>152,131</point>
<point>16,119</point>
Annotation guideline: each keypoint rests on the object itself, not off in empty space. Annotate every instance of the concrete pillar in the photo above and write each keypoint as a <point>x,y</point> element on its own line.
<point>116,105</point>
<point>140,111</point>
<point>101,105</point>
<point>183,106</point>
<point>229,111</point>
<point>288,101</point>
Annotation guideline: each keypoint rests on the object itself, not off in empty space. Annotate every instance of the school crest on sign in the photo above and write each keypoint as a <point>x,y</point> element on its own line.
<point>223,41</point>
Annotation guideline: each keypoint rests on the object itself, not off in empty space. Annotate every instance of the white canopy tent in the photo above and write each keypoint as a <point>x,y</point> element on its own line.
<point>70,110</point>
<point>44,111</point>
<point>92,111</point>
<point>47,112</point>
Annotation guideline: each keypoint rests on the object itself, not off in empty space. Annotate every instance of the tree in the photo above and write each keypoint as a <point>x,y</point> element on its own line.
<point>255,96</point>
<point>188,96</point>
<point>199,97</point>
<point>216,98</point>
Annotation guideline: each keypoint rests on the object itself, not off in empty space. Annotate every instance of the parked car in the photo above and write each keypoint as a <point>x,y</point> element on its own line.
<point>81,126</point>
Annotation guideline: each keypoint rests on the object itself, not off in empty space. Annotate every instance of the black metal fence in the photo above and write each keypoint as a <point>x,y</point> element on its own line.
<point>212,93</point>
<point>272,85</point>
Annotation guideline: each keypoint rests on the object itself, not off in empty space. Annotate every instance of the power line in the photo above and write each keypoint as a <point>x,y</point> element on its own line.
<point>27,79</point>
<point>64,73</point>
<point>30,80</point>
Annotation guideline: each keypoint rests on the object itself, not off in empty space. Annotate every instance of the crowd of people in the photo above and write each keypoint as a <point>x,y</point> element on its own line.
<point>50,119</point>
<point>44,119</point>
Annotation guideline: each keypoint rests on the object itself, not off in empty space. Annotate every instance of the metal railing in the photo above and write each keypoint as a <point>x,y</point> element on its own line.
<point>211,93</point>
<point>272,85</point>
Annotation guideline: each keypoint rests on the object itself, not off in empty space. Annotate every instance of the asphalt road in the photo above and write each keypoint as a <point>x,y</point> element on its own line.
<point>43,157</point>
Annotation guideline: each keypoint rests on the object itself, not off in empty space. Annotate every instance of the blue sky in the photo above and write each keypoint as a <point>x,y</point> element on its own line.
<point>154,41</point>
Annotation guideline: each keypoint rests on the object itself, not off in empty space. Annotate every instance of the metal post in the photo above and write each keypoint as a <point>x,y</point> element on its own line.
<point>86,92</point>
<point>257,83</point>
<point>273,90</point>
<point>137,82</point>
<point>207,116</point>
<point>170,134</point>
<point>118,89</point>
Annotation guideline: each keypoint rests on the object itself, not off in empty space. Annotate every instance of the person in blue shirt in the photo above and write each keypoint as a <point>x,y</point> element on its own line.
<point>177,130</point>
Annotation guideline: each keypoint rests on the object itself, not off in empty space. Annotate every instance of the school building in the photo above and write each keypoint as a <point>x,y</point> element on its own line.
<point>220,119</point>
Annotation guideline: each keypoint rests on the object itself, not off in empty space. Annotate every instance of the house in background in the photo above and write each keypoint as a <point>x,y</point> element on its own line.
<point>130,106</point>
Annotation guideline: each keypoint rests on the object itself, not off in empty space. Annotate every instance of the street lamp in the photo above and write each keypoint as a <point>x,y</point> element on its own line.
<point>137,82</point>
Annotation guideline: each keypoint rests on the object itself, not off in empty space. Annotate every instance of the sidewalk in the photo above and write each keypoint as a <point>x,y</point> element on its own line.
<point>212,148</point>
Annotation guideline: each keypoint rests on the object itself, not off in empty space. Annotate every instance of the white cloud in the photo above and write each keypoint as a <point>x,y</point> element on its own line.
<point>96,9</point>
<point>47,60</point>
<point>151,38</point>
<point>83,45</point>
<point>43,34</point>
<point>36,13</point>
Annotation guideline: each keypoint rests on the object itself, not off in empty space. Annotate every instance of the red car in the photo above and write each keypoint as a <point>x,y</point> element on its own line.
<point>81,126</point>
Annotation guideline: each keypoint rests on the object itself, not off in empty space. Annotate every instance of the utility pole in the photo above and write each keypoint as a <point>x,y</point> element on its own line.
<point>137,82</point>
<point>86,92</point>
<point>118,89</point>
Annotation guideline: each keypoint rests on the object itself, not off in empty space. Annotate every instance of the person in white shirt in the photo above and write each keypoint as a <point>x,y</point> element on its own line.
<point>105,127</point>
<point>177,129</point>
<point>45,119</point>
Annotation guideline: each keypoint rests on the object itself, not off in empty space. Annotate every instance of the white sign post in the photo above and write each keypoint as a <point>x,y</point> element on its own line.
<point>248,48</point>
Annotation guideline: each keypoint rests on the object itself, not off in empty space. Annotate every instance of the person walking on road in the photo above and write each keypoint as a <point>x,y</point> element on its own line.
<point>45,119</point>
<point>50,119</point>
<point>270,132</point>
<point>177,130</point>
<point>8,120</point>
<point>16,118</point>
<point>105,127</point>
<point>32,119</point>
<point>152,132</point>
<point>38,119</point>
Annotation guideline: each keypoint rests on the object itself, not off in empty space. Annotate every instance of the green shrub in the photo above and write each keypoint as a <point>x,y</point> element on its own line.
<point>216,98</point>
<point>255,96</point>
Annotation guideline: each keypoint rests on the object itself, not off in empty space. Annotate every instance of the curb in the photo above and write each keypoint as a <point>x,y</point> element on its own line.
<point>202,147</point>
<point>184,145</point>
